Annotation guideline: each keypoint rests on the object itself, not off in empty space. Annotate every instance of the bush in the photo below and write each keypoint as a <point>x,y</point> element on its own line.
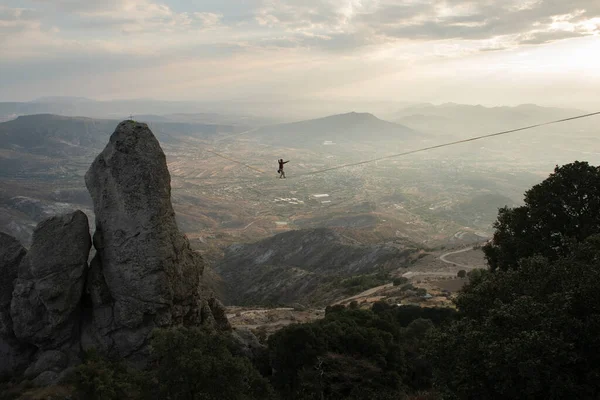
<point>187,364</point>
<point>356,354</point>
<point>462,274</point>
<point>400,281</point>
<point>100,379</point>
<point>477,274</point>
<point>359,283</point>
<point>199,364</point>
<point>407,287</point>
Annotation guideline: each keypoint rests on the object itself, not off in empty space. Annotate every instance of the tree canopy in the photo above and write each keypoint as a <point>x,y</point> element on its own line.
<point>562,210</point>
<point>529,333</point>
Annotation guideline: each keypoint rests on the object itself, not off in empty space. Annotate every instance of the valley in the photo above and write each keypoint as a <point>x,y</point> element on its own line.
<point>435,274</point>
<point>226,192</point>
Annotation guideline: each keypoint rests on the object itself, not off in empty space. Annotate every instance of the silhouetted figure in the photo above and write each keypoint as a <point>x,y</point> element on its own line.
<point>280,170</point>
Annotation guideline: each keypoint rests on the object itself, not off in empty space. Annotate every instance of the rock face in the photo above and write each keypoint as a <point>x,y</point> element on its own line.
<point>14,356</point>
<point>11,254</point>
<point>144,274</point>
<point>47,292</point>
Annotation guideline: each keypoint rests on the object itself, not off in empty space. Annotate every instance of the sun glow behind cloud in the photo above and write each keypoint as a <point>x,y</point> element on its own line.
<point>455,50</point>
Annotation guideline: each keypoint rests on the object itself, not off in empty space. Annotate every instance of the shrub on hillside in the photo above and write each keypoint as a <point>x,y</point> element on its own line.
<point>100,379</point>
<point>186,364</point>
<point>400,281</point>
<point>199,364</point>
<point>356,354</point>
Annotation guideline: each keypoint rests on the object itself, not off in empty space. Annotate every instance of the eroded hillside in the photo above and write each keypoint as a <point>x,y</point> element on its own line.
<point>311,266</point>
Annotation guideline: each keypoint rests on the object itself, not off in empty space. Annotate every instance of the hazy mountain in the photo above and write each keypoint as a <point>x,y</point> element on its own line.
<point>164,111</point>
<point>460,119</point>
<point>339,129</point>
<point>62,99</point>
<point>53,135</point>
<point>59,136</point>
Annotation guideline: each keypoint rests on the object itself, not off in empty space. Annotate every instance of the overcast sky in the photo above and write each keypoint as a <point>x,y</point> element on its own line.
<point>489,52</point>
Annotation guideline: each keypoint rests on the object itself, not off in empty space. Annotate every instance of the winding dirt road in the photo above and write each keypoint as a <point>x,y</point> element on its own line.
<point>444,259</point>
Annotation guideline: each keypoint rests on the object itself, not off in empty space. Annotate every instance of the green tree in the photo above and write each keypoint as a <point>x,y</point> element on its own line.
<point>477,274</point>
<point>529,333</point>
<point>400,281</point>
<point>462,273</point>
<point>356,354</point>
<point>562,210</point>
<point>196,364</point>
<point>101,379</point>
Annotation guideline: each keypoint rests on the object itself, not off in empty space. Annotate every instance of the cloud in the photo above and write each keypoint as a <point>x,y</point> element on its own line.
<point>386,21</point>
<point>494,48</point>
<point>15,20</point>
<point>81,6</point>
<point>208,19</point>
<point>127,16</point>
<point>137,16</point>
<point>231,46</point>
<point>338,25</point>
<point>547,37</point>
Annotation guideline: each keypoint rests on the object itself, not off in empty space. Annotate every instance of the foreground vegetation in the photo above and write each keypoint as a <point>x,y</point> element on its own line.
<point>527,329</point>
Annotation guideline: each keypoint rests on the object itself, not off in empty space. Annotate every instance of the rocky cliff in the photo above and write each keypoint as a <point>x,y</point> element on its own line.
<point>144,275</point>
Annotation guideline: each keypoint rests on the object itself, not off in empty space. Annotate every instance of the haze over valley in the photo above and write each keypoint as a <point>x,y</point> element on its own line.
<point>432,198</point>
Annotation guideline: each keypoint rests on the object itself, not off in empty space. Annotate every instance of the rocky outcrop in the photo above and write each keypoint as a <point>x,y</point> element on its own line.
<point>14,356</point>
<point>40,294</point>
<point>50,282</point>
<point>144,275</point>
<point>53,361</point>
<point>11,254</point>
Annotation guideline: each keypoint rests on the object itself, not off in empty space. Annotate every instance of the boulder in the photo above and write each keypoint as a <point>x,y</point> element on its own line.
<point>219,313</point>
<point>52,360</point>
<point>48,290</point>
<point>248,344</point>
<point>14,357</point>
<point>47,378</point>
<point>144,274</point>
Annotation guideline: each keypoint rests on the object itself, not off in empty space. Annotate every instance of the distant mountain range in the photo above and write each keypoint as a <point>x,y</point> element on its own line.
<point>59,136</point>
<point>53,135</point>
<point>460,119</point>
<point>150,110</point>
<point>336,129</point>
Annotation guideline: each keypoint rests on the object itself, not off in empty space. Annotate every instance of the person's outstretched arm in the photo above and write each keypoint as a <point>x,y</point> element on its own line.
<point>285,162</point>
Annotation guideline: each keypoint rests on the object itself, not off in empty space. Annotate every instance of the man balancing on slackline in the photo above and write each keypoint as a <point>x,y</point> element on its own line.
<point>280,170</point>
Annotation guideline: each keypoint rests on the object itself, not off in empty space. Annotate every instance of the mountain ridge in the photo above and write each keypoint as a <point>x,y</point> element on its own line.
<point>346,128</point>
<point>294,266</point>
